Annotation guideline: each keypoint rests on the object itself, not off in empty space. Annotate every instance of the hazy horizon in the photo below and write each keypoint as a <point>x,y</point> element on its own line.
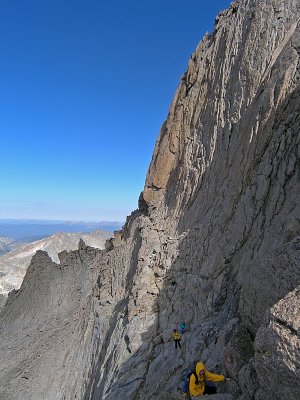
<point>58,220</point>
<point>32,229</point>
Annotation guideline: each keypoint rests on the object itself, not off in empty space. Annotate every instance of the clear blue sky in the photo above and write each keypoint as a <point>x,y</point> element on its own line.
<point>84,89</point>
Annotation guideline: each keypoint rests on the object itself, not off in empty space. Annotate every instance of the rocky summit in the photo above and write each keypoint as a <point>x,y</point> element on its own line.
<point>215,243</point>
<point>14,263</point>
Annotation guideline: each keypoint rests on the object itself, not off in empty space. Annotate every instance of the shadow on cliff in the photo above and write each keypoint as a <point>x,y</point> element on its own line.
<point>102,365</point>
<point>206,270</point>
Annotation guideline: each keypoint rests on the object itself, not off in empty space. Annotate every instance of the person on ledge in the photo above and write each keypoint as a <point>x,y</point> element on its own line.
<point>182,328</point>
<point>198,384</point>
<point>176,337</point>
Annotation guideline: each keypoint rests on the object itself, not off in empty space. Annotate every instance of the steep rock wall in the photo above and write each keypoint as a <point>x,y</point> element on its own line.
<point>215,242</point>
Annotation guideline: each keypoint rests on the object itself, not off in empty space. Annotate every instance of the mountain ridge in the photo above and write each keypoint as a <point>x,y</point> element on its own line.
<point>215,243</point>
<point>13,265</point>
<point>7,244</point>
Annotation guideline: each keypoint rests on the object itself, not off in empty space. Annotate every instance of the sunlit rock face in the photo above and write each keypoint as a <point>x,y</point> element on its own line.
<point>215,243</point>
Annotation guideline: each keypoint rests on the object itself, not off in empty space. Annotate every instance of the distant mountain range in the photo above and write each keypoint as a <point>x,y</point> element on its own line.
<point>7,244</point>
<point>13,265</point>
<point>28,230</point>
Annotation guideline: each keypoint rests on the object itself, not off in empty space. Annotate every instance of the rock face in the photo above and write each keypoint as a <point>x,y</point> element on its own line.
<point>13,265</point>
<point>42,329</point>
<point>215,243</point>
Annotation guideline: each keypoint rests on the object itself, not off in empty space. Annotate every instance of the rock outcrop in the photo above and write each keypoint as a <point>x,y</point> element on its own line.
<point>13,265</point>
<point>215,243</point>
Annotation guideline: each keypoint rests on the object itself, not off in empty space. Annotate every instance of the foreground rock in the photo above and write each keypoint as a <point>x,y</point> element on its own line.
<point>50,317</point>
<point>215,243</point>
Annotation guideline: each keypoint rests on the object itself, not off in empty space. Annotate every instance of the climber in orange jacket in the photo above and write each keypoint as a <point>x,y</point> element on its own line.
<point>197,383</point>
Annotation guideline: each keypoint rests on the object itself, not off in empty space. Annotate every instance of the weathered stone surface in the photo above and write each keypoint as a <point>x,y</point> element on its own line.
<point>277,348</point>
<point>215,242</point>
<point>46,328</point>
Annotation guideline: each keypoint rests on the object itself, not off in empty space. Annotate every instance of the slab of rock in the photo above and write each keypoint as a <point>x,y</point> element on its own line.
<point>277,350</point>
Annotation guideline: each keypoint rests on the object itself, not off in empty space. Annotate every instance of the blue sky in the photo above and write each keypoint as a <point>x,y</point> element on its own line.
<point>84,89</point>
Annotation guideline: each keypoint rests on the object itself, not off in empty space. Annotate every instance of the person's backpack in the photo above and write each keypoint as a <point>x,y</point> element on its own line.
<point>185,384</point>
<point>182,328</point>
<point>184,388</point>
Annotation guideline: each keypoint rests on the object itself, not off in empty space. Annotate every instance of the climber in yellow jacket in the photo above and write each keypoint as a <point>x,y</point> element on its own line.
<point>176,337</point>
<point>197,384</point>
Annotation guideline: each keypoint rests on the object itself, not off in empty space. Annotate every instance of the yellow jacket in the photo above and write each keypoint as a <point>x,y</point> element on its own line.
<point>196,390</point>
<point>176,335</point>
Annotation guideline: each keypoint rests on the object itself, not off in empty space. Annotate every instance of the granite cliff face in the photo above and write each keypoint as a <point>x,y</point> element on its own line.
<point>215,242</point>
